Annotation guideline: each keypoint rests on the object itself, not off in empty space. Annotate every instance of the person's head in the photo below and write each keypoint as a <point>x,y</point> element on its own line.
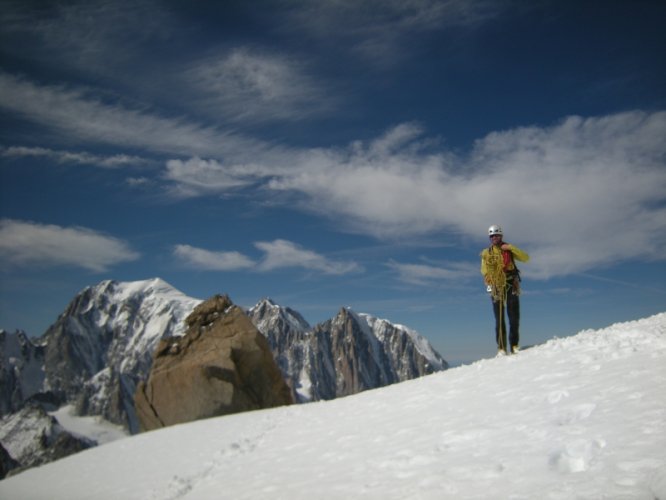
<point>495,234</point>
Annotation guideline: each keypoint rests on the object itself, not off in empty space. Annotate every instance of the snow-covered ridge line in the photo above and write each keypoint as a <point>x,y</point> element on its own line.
<point>618,336</point>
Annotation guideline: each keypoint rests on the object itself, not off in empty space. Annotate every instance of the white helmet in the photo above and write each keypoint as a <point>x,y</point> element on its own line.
<point>494,229</point>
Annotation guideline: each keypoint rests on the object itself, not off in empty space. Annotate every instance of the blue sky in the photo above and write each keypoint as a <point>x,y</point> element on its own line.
<point>337,153</point>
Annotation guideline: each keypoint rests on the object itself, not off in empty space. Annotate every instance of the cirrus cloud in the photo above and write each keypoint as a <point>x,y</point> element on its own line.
<point>250,86</point>
<point>74,157</point>
<point>382,31</point>
<point>78,113</point>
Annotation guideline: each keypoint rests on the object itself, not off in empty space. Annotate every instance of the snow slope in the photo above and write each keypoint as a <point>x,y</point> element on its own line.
<point>579,417</point>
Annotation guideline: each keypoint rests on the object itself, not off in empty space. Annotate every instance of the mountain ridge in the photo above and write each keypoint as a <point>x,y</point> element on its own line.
<point>102,345</point>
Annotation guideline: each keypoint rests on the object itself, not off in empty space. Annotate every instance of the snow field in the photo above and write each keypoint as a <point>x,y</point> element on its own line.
<point>580,417</point>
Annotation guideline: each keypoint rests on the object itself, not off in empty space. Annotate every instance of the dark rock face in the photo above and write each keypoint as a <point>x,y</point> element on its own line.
<point>222,365</point>
<point>21,370</point>
<point>7,463</point>
<point>31,437</point>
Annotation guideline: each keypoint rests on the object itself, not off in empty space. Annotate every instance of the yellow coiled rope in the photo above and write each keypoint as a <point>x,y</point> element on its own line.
<point>496,275</point>
<point>498,288</point>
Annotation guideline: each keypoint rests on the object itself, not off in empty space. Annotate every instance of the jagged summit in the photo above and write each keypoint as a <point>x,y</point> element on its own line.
<point>267,311</point>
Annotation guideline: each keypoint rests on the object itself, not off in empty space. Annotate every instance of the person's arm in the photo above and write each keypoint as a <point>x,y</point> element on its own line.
<point>484,267</point>
<point>518,254</point>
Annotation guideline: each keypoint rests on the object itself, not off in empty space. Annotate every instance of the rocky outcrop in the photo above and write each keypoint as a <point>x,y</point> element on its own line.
<point>222,365</point>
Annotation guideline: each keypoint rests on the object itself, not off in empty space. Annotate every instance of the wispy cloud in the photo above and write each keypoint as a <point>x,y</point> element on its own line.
<point>383,31</point>
<point>27,243</point>
<point>82,158</point>
<point>246,85</point>
<point>278,254</point>
<point>79,115</point>
<point>116,41</point>
<point>98,36</point>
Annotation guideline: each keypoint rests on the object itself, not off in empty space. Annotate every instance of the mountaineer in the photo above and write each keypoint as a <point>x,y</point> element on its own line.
<point>502,279</point>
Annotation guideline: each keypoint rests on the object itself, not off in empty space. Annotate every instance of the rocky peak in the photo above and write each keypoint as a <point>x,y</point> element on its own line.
<point>270,317</point>
<point>367,353</point>
<point>206,313</point>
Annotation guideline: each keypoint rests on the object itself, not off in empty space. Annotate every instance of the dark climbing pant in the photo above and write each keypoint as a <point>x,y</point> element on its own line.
<point>513,311</point>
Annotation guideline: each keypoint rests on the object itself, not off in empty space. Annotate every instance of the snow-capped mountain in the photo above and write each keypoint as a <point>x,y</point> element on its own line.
<point>102,344</point>
<point>342,356</point>
<point>581,417</point>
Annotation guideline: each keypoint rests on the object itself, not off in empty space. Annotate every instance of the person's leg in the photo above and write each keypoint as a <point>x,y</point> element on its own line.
<point>513,311</point>
<point>500,325</point>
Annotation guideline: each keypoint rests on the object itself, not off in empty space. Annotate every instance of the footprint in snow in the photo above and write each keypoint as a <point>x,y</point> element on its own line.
<point>577,455</point>
<point>557,396</point>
